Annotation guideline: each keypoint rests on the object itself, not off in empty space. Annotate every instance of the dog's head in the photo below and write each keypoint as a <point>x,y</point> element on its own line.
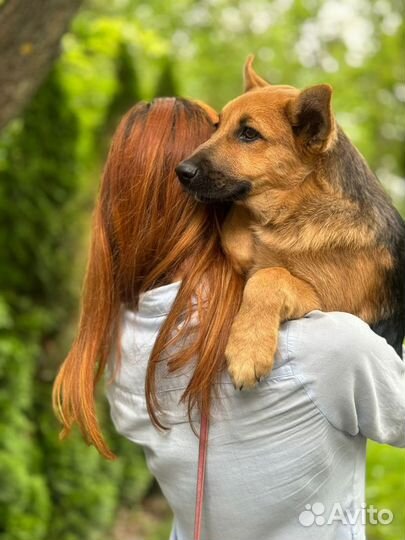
<point>267,138</point>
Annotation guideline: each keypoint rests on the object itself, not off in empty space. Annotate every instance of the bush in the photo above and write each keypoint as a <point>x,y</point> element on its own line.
<point>48,489</point>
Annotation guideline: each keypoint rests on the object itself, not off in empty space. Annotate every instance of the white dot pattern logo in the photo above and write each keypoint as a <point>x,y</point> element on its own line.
<point>312,514</point>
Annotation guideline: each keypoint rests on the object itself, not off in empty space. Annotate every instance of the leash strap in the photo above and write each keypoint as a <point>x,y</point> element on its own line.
<point>202,460</point>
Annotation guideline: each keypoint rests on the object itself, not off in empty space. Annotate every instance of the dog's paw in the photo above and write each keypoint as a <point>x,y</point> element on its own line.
<point>250,350</point>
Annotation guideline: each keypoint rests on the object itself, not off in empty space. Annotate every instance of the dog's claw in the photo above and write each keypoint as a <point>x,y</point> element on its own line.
<point>241,387</point>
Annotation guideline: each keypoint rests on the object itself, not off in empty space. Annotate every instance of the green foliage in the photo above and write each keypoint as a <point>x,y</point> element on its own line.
<point>24,497</point>
<point>125,96</point>
<point>127,87</point>
<point>166,84</point>
<point>49,490</point>
<point>385,488</point>
<point>37,181</point>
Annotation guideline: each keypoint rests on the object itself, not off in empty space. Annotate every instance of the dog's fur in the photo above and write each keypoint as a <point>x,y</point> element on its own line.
<point>311,225</point>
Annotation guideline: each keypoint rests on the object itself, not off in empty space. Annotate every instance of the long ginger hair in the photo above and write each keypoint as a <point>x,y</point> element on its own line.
<point>147,230</point>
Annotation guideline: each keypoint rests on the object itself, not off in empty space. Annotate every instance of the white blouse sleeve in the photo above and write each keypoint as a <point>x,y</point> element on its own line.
<point>353,376</point>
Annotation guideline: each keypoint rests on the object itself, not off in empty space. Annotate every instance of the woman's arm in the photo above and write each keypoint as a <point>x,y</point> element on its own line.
<point>351,374</point>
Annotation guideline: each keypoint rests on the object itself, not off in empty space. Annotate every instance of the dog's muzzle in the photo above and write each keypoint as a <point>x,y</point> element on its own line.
<point>209,185</point>
<point>187,171</point>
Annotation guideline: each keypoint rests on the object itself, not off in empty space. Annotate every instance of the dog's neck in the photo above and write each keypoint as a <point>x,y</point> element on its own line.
<point>347,172</point>
<point>340,175</point>
<point>276,206</point>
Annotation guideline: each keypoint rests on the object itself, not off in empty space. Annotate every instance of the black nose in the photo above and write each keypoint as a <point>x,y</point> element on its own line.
<point>186,171</point>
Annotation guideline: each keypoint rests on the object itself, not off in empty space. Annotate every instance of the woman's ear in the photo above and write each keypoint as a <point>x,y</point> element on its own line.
<point>251,78</point>
<point>311,116</point>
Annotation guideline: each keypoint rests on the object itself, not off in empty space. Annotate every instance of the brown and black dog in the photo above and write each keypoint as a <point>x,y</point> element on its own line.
<point>311,225</point>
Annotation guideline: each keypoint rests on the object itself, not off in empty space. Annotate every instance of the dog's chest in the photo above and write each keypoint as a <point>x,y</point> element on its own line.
<point>272,248</point>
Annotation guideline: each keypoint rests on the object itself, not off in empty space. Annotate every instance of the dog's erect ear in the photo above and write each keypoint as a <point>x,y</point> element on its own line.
<point>252,79</point>
<point>311,116</point>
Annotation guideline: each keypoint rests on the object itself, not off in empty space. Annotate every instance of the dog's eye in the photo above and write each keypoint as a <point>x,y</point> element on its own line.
<point>248,134</point>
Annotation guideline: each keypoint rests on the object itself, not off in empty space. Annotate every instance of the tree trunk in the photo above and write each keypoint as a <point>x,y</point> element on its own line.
<point>30,34</point>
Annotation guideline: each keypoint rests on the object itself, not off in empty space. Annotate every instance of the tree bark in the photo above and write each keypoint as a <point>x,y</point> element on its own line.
<point>30,34</point>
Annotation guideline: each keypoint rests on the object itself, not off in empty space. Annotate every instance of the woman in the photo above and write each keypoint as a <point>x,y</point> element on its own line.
<point>156,268</point>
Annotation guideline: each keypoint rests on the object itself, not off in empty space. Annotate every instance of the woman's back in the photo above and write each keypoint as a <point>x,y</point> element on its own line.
<point>298,439</point>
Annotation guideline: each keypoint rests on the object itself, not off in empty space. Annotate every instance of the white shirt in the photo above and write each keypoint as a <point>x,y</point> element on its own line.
<point>297,440</point>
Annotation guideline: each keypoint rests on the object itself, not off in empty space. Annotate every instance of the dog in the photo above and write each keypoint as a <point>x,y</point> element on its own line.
<point>310,225</point>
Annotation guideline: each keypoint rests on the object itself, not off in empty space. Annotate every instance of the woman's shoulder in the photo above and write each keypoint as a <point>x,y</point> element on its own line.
<point>350,373</point>
<point>332,352</point>
<point>336,335</point>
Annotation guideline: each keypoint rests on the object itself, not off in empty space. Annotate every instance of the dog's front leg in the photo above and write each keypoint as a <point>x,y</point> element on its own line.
<point>271,296</point>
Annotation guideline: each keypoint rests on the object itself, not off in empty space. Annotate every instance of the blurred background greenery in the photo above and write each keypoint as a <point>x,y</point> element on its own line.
<point>51,156</point>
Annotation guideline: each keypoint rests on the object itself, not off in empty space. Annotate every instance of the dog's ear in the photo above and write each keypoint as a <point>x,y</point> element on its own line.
<point>311,116</point>
<point>252,79</point>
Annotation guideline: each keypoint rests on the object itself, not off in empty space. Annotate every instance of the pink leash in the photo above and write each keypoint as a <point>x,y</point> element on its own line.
<point>202,460</point>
